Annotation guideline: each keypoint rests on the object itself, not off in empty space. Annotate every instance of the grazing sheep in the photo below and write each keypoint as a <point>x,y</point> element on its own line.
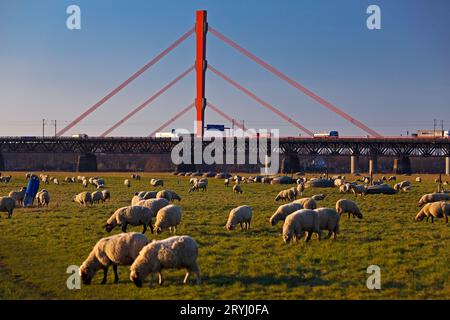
<point>307,203</point>
<point>339,182</point>
<point>67,179</point>
<point>154,204</point>
<point>127,183</point>
<point>348,206</point>
<point>157,182</point>
<point>433,197</point>
<point>168,194</point>
<point>285,195</point>
<point>7,204</point>
<point>177,252</point>
<point>85,183</point>
<point>407,188</point>
<point>97,196</point>
<point>240,215</point>
<point>120,249</point>
<point>200,184</point>
<point>328,220</point>
<point>168,217</point>
<point>299,222</point>
<point>5,179</point>
<point>345,188</point>
<point>83,198</point>
<point>392,178</point>
<point>318,197</point>
<point>56,181</point>
<point>358,189</point>
<point>226,182</point>
<point>192,181</point>
<point>43,198</point>
<point>135,177</point>
<point>18,196</point>
<point>131,215</point>
<point>283,211</point>
<point>237,188</point>
<point>135,200</point>
<point>300,189</point>
<point>418,179</point>
<point>439,209</point>
<point>401,185</point>
<point>106,195</point>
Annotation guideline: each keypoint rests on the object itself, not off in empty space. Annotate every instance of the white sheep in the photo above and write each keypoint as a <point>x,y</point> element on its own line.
<point>433,197</point>
<point>106,195</point>
<point>154,204</point>
<point>43,198</point>
<point>85,183</point>
<point>168,194</point>
<point>418,179</point>
<point>439,209</point>
<point>168,217</point>
<point>348,206</point>
<point>300,189</point>
<point>157,182</point>
<point>226,182</point>
<point>241,215</point>
<point>120,249</point>
<point>237,188</point>
<point>306,203</point>
<point>285,195</point>
<point>135,200</point>
<point>127,183</point>
<point>18,195</point>
<point>358,189</point>
<point>7,204</point>
<point>83,198</point>
<point>131,215</point>
<point>283,211</point>
<point>328,220</point>
<point>299,222</point>
<point>176,252</point>
<point>318,197</point>
<point>200,184</point>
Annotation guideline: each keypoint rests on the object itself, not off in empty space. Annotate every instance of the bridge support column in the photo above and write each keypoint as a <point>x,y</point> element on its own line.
<point>447,165</point>
<point>2,163</point>
<point>290,163</point>
<point>373,164</point>
<point>354,160</point>
<point>87,163</point>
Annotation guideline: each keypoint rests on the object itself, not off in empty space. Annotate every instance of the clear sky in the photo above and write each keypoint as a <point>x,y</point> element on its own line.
<point>394,79</point>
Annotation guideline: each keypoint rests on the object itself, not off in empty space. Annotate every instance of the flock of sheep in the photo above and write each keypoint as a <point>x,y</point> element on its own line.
<point>302,217</point>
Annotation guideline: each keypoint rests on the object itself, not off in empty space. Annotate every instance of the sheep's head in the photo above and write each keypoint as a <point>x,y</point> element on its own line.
<point>86,275</point>
<point>359,215</point>
<point>273,220</point>
<point>230,226</point>
<point>108,227</point>
<point>158,230</point>
<point>134,276</point>
<point>287,237</point>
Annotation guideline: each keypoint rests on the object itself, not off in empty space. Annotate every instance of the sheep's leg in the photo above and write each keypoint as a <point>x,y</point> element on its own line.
<point>309,236</point>
<point>116,275</point>
<point>348,216</point>
<point>160,278</point>
<point>432,219</point>
<point>105,274</point>
<point>144,228</point>
<point>10,214</point>
<point>186,277</point>
<point>124,227</point>
<point>174,229</point>
<point>150,226</point>
<point>329,234</point>
<point>248,225</point>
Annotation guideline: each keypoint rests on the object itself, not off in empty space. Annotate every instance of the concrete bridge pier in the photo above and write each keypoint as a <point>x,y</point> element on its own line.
<point>373,164</point>
<point>447,165</point>
<point>87,163</point>
<point>354,167</point>
<point>2,163</point>
<point>290,163</point>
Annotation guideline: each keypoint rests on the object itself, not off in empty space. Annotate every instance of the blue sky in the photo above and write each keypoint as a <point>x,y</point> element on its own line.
<point>394,79</point>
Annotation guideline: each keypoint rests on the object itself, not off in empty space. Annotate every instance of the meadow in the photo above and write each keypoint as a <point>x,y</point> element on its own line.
<point>38,244</point>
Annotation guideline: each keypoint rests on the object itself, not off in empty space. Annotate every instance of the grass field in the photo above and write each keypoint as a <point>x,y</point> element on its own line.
<point>37,246</point>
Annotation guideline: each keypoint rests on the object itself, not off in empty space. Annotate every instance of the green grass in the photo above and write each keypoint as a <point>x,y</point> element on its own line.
<point>37,246</point>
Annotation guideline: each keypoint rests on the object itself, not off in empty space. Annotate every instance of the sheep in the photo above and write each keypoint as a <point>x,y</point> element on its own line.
<point>439,209</point>
<point>127,183</point>
<point>168,217</point>
<point>392,178</point>
<point>307,203</point>
<point>407,188</point>
<point>345,188</point>
<point>318,197</point>
<point>157,182</point>
<point>154,204</point>
<point>348,206</point>
<point>5,179</point>
<point>285,195</point>
<point>85,183</point>
<point>339,182</point>
<point>328,220</point>
<point>401,185</point>
<point>433,197</point>
<point>299,222</point>
<point>135,200</point>
<point>168,194</point>
<point>135,177</point>
<point>106,195</point>
<point>418,179</point>
<point>176,252</point>
<point>43,198</point>
<point>131,215</point>
<point>55,181</point>
<point>18,196</point>
<point>150,195</point>
<point>83,198</point>
<point>358,189</point>
<point>283,211</point>
<point>237,188</point>
<point>97,196</point>
<point>226,182</point>
<point>192,181</point>
<point>120,249</point>
<point>7,204</point>
<point>67,179</point>
<point>200,184</point>
<point>300,189</point>
<point>240,215</point>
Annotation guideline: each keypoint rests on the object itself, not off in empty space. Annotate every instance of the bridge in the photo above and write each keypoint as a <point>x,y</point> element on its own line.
<point>373,146</point>
<point>400,149</point>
